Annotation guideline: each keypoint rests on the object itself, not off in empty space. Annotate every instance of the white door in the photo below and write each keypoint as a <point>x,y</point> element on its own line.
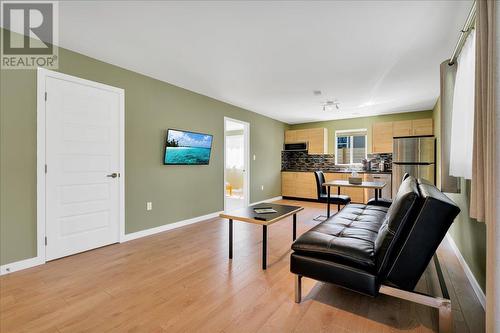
<point>236,164</point>
<point>82,153</point>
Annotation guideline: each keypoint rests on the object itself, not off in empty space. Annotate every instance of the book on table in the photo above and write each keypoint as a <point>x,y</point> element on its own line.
<point>264,210</point>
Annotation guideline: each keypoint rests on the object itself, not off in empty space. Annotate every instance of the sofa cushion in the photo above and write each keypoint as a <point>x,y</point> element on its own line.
<point>348,237</point>
<point>333,272</point>
<point>399,218</point>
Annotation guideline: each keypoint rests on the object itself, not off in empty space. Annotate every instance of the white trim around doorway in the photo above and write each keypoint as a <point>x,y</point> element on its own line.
<point>246,132</point>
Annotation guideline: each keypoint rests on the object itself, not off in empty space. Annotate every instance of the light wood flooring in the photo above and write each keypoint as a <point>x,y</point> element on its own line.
<point>183,281</point>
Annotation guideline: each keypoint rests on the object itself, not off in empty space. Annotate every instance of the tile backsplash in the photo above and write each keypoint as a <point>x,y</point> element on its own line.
<point>387,157</point>
<point>302,161</point>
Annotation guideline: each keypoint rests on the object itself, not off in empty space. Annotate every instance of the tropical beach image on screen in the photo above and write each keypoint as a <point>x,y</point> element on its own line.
<point>187,147</point>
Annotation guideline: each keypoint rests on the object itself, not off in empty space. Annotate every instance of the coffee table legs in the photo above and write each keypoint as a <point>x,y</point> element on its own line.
<point>294,226</point>
<point>230,239</point>
<point>264,240</point>
<point>264,247</point>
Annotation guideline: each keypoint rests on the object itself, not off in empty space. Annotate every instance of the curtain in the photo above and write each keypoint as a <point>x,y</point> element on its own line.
<point>462,123</point>
<point>484,156</point>
<point>447,182</point>
<point>483,183</point>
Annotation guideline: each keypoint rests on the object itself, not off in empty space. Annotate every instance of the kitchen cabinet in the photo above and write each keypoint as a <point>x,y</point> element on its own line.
<point>298,185</point>
<point>384,132</point>
<point>290,136</point>
<point>331,176</point>
<point>379,177</point>
<point>357,194</point>
<point>317,139</point>
<point>422,127</point>
<point>402,128</point>
<point>382,137</point>
<point>288,184</point>
<point>303,185</point>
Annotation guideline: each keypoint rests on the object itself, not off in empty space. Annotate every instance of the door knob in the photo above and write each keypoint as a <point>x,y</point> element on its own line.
<point>113,175</point>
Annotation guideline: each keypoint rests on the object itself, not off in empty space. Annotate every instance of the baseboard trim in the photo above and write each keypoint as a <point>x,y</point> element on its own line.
<point>166,227</point>
<point>35,261</point>
<point>475,285</point>
<point>267,200</point>
<point>20,265</point>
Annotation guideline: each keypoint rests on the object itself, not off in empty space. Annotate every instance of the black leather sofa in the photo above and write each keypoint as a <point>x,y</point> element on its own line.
<point>371,249</point>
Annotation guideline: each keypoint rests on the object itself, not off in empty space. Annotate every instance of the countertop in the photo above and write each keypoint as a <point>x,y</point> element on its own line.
<point>344,171</point>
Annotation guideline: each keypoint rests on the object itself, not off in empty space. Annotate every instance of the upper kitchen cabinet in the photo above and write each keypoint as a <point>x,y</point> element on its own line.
<point>290,136</point>
<point>382,137</point>
<point>317,139</point>
<point>417,127</point>
<point>422,127</point>
<point>402,128</point>
<point>293,136</point>
<point>382,133</point>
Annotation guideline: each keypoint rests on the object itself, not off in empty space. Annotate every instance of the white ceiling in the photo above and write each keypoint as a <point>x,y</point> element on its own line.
<point>375,57</point>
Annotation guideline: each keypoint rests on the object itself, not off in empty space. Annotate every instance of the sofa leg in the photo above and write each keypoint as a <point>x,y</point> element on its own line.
<point>445,319</point>
<point>442,304</point>
<point>298,288</point>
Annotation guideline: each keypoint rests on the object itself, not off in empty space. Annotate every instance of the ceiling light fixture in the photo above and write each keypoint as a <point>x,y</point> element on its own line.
<point>330,105</point>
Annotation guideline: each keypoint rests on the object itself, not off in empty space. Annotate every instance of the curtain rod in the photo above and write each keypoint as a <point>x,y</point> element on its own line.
<point>463,33</point>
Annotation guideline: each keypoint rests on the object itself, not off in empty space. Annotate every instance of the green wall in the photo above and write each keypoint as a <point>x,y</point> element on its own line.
<point>151,106</point>
<point>363,122</point>
<point>468,234</point>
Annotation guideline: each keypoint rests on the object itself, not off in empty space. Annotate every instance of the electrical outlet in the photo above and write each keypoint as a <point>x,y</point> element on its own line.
<point>149,205</point>
<point>262,187</point>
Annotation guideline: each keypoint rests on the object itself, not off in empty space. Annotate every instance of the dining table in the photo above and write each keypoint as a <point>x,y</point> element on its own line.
<point>376,186</point>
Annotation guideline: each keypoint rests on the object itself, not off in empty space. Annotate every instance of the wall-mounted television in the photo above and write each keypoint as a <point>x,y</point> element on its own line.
<point>187,148</point>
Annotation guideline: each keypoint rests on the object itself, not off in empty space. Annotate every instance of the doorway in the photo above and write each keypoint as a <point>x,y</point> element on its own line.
<point>80,164</point>
<point>236,163</point>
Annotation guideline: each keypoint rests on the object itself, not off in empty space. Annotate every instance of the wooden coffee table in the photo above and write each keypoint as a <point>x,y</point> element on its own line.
<point>248,215</point>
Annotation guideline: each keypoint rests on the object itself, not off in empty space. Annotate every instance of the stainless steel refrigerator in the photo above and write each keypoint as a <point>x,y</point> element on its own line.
<point>415,155</point>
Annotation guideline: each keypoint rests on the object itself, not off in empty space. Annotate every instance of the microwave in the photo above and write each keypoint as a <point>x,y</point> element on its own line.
<point>298,146</point>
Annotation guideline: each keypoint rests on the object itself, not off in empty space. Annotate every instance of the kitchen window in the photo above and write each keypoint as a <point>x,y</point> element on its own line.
<point>350,146</point>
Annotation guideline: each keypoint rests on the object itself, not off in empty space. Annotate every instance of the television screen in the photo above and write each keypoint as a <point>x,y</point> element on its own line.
<point>187,148</point>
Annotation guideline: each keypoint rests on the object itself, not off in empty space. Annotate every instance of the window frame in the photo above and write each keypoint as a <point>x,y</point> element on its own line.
<point>352,146</point>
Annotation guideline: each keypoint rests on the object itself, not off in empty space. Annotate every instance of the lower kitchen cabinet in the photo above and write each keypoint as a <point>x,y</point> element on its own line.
<point>357,194</point>
<point>383,177</point>
<point>303,185</point>
<point>288,184</point>
<point>298,185</point>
